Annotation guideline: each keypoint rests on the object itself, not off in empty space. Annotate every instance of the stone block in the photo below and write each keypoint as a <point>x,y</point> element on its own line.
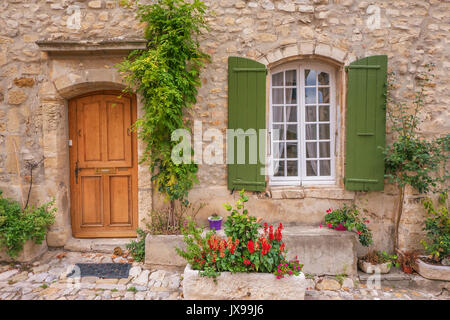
<point>160,251</point>
<point>31,251</point>
<point>24,82</point>
<point>322,251</point>
<point>242,286</point>
<point>16,96</point>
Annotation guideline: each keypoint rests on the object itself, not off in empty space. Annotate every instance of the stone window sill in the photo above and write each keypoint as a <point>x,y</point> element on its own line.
<point>318,192</point>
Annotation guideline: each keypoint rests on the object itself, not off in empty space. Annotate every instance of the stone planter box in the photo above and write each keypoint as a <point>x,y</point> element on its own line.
<point>160,251</point>
<point>31,251</point>
<point>242,286</point>
<point>321,251</point>
<point>431,271</point>
<point>367,267</point>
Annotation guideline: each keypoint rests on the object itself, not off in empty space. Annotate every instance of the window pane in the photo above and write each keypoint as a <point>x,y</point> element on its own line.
<point>324,131</point>
<point>278,150</point>
<point>278,132</point>
<point>277,79</point>
<point>310,77</point>
<point>291,96</point>
<point>311,150</point>
<point>311,168</point>
<point>311,133</point>
<point>324,113</point>
<point>291,132</point>
<point>292,168</point>
<point>278,168</point>
<point>324,95</point>
<point>291,78</point>
<point>291,114</point>
<point>325,167</point>
<point>324,149</point>
<point>310,95</point>
<point>278,114</point>
<point>291,150</point>
<point>277,96</point>
<point>310,114</point>
<point>324,79</point>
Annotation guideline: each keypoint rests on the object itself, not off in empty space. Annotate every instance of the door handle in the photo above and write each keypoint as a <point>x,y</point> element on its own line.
<point>77,169</point>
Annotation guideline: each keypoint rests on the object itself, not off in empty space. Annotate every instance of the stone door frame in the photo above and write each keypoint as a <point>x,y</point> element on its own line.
<point>66,78</point>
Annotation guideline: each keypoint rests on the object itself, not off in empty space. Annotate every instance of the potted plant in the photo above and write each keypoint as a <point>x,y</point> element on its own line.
<point>348,218</point>
<point>434,265</point>
<point>215,222</point>
<point>247,262</point>
<point>407,260</point>
<point>23,231</point>
<point>377,262</point>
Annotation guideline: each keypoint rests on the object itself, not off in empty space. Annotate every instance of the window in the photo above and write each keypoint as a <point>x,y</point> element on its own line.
<point>302,124</point>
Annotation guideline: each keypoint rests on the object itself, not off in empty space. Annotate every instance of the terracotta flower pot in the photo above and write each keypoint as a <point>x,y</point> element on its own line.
<point>407,269</point>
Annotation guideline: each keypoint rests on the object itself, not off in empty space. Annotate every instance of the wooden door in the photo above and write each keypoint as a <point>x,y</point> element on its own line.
<point>103,165</point>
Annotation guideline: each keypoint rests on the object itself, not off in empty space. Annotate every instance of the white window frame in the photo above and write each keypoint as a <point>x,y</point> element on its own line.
<point>302,179</point>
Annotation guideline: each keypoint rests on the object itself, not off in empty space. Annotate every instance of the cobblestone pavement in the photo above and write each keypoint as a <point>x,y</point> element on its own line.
<point>47,280</point>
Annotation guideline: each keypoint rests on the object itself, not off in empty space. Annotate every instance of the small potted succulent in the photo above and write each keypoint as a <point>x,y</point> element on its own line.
<point>377,261</point>
<point>215,222</point>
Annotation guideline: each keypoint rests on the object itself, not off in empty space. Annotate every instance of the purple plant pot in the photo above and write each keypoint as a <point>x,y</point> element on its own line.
<point>215,224</point>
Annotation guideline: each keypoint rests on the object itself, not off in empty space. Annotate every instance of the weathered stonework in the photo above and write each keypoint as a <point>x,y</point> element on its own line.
<point>242,286</point>
<point>35,85</point>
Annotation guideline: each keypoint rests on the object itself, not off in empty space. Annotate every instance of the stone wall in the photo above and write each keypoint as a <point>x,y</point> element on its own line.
<point>33,94</point>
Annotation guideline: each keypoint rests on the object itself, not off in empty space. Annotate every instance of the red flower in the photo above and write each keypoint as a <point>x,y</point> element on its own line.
<point>321,225</point>
<point>329,210</point>
<point>358,232</point>
<point>250,246</point>
<point>367,221</point>
<point>246,262</point>
<point>271,233</point>
<point>330,225</point>
<point>265,227</point>
<point>282,247</point>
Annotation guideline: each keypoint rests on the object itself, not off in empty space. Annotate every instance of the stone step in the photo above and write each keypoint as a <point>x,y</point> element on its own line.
<point>321,251</point>
<point>103,245</point>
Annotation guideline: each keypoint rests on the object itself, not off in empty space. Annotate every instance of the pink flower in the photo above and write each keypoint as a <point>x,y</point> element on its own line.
<point>330,225</point>
<point>367,221</point>
<point>329,210</point>
<point>359,232</point>
<point>321,225</point>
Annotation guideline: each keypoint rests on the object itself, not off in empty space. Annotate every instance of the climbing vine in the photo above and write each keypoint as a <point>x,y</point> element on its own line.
<point>167,76</point>
<point>411,159</point>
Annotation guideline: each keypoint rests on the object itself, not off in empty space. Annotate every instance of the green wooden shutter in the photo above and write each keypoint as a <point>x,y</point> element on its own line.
<point>366,123</point>
<point>246,110</point>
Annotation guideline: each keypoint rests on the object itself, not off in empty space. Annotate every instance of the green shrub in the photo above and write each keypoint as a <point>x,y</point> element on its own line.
<point>18,226</point>
<point>137,248</point>
<point>437,226</point>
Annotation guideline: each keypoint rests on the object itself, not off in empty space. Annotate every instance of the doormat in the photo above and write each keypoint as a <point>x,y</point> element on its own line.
<point>101,270</point>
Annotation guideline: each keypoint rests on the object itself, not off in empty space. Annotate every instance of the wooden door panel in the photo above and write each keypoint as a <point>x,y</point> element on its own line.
<point>91,201</point>
<point>120,200</point>
<point>89,124</point>
<point>103,162</point>
<point>118,133</point>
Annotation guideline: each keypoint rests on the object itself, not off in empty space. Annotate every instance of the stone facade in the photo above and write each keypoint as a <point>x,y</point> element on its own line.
<point>36,83</point>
